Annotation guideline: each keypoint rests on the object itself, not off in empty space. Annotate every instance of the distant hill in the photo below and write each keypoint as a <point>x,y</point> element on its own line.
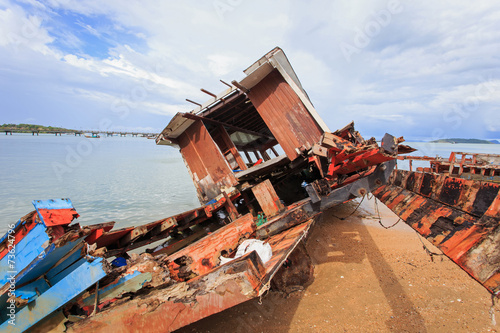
<point>495,141</point>
<point>30,127</point>
<point>458,140</point>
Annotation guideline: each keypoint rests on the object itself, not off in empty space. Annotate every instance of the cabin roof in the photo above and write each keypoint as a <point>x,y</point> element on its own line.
<point>232,106</point>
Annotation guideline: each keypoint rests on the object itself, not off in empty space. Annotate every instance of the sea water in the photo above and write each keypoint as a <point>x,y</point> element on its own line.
<point>129,180</point>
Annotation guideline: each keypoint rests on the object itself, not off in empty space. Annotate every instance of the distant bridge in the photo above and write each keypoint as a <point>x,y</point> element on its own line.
<point>94,133</point>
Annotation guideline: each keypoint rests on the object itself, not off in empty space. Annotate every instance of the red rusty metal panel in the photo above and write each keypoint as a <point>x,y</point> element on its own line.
<point>22,229</point>
<point>202,256</point>
<point>285,115</point>
<point>268,199</point>
<point>53,217</point>
<point>112,237</point>
<point>473,197</point>
<point>208,168</point>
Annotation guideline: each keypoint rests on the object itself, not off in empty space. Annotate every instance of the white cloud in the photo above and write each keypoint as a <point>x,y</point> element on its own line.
<point>426,58</point>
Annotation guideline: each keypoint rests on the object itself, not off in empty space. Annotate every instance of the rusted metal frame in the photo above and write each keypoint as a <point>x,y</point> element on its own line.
<point>149,233</point>
<point>368,182</point>
<point>150,229</point>
<point>180,243</point>
<point>469,196</point>
<point>218,104</point>
<point>283,244</point>
<point>195,117</point>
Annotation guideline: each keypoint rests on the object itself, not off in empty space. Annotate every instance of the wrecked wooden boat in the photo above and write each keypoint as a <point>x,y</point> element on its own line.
<point>254,213</point>
<point>264,166</point>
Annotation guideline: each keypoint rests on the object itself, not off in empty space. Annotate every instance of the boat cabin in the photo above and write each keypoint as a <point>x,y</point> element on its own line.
<point>242,135</point>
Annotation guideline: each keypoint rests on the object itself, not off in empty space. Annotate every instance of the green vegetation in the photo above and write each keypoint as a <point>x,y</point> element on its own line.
<point>28,128</point>
<point>458,140</point>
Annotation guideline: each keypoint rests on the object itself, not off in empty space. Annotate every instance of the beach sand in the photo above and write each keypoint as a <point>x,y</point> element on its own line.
<point>366,279</point>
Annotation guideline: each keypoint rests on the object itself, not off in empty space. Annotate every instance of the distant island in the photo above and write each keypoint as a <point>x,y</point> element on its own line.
<point>28,128</point>
<point>458,140</point>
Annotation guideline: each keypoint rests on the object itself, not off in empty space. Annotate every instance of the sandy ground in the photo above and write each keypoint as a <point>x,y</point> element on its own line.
<point>366,279</point>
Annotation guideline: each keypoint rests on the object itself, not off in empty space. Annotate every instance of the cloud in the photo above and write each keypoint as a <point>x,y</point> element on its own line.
<point>409,68</point>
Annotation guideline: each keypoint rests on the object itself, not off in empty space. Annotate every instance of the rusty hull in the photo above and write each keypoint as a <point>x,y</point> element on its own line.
<point>461,217</point>
<point>210,289</point>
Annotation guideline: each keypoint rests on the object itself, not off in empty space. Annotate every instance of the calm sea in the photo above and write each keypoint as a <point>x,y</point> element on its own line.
<point>129,180</point>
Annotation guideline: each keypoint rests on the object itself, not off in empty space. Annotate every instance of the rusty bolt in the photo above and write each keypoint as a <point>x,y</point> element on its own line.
<point>378,182</point>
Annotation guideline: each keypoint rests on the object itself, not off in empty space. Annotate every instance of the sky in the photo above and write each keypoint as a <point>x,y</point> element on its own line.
<point>419,69</point>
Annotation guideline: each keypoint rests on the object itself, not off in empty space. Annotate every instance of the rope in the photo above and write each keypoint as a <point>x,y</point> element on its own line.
<point>380,219</point>
<point>429,252</point>
<point>343,218</point>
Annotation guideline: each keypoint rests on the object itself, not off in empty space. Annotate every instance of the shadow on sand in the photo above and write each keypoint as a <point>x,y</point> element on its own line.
<point>331,241</point>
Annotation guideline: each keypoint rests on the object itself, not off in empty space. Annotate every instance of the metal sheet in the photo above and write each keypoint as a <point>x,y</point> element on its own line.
<point>285,115</point>
<point>207,166</point>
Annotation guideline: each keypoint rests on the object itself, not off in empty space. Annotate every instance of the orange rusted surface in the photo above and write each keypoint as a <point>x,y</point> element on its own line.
<point>285,114</point>
<point>165,310</point>
<point>53,217</point>
<point>184,302</point>
<point>207,166</point>
<point>202,256</point>
<point>459,216</point>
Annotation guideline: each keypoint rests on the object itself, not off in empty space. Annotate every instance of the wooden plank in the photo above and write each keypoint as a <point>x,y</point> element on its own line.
<point>285,115</point>
<point>62,292</point>
<point>208,167</point>
<point>267,198</point>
